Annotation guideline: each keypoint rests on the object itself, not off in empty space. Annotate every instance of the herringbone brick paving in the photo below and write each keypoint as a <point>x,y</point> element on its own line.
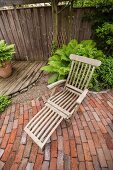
<point>86,144</point>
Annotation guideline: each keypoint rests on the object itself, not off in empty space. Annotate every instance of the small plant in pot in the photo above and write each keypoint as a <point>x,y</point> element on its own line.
<point>6,55</point>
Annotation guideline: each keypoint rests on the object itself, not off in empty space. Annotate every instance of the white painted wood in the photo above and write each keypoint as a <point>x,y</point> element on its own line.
<point>51,86</point>
<point>82,96</point>
<point>65,103</point>
<point>74,88</point>
<point>87,60</point>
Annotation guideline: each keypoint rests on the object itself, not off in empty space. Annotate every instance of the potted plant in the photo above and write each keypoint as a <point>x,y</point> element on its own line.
<point>6,55</point>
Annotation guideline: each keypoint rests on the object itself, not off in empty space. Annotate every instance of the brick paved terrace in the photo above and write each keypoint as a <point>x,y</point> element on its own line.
<point>86,144</point>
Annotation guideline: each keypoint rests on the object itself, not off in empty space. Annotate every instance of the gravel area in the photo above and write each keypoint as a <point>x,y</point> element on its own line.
<point>34,92</point>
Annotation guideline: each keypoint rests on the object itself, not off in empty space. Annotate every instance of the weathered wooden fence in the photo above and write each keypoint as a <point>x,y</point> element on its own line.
<point>30,29</point>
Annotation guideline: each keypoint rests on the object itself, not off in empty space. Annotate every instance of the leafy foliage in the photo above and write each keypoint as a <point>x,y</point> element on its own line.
<point>6,51</point>
<point>89,3</point>
<point>102,28</point>
<point>103,76</point>
<point>105,36</point>
<point>4,102</point>
<point>59,64</point>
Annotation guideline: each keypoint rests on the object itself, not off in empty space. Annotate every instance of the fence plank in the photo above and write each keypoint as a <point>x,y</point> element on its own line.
<point>30,29</point>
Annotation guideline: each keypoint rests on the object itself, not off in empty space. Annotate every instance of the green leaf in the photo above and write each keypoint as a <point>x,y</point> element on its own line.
<point>53,78</point>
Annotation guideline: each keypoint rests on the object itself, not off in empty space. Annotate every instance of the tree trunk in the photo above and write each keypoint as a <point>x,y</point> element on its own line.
<point>54,4</point>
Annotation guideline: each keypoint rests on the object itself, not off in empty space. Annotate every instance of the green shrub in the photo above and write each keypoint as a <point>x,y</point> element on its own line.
<point>6,51</point>
<point>102,26</point>
<point>4,102</point>
<point>105,38</point>
<point>59,63</point>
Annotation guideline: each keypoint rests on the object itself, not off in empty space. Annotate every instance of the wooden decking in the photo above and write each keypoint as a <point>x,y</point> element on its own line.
<point>24,74</point>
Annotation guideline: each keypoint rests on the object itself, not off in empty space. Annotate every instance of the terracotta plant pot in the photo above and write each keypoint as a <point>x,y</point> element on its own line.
<point>6,69</point>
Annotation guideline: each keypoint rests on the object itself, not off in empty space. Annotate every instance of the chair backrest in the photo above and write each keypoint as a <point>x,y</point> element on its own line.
<point>81,71</point>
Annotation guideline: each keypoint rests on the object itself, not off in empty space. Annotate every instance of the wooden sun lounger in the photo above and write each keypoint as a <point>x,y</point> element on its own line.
<point>65,103</point>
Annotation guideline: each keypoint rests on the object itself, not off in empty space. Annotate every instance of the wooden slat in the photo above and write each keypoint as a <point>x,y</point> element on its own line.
<point>16,70</point>
<point>24,74</point>
<point>30,29</point>
<point>86,60</point>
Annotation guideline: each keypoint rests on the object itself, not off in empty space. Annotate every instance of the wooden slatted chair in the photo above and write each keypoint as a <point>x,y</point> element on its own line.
<point>65,103</point>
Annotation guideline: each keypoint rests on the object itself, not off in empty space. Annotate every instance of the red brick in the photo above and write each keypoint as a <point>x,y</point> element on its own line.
<point>7,152</point>
<point>9,127</point>
<point>10,160</point>
<point>54,136</point>
<point>53,164</point>
<point>19,131</point>
<point>83,136</point>
<point>28,148</point>
<point>96,140</point>
<point>1,165</point>
<point>16,144</point>
<point>5,141</point>
<point>82,166</point>
<point>34,110</point>
<point>108,140</point>
<point>87,118</point>
<point>92,147</point>
<point>15,124</point>
<point>23,164</point>
<point>76,131</point>
<point>3,130</point>
<point>96,162</point>
<point>14,167</point>
<point>87,152</point>
<point>54,149</point>
<point>60,143</point>
<point>79,124</point>
<point>6,120</point>
<point>101,137</point>
<point>59,131</point>
<point>21,120</point>
<point>63,124</point>
<point>89,165</point>
<point>73,148</point>
<point>33,153</point>
<point>74,164</point>
<point>91,127</point>
<point>80,153</point>
<point>26,115</point>
<point>45,165</point>
<point>47,152</point>
<point>60,161</point>
<point>19,154</point>
<point>65,134</point>
<point>106,152</point>
<point>12,136</point>
<point>70,132</point>
<point>78,140</point>
<point>66,147</point>
<point>102,159</point>
<point>88,133</point>
<point>101,126</point>
<point>38,162</point>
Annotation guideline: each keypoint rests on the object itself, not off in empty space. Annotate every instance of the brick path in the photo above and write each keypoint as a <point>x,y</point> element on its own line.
<point>86,144</point>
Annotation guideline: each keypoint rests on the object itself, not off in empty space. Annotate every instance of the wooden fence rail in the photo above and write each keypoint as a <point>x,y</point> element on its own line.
<point>30,29</point>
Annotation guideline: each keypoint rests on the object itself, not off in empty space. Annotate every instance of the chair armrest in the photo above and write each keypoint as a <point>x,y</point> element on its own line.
<point>51,86</point>
<point>82,96</point>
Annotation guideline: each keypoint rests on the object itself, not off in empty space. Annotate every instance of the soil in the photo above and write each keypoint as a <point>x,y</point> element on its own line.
<point>34,92</point>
